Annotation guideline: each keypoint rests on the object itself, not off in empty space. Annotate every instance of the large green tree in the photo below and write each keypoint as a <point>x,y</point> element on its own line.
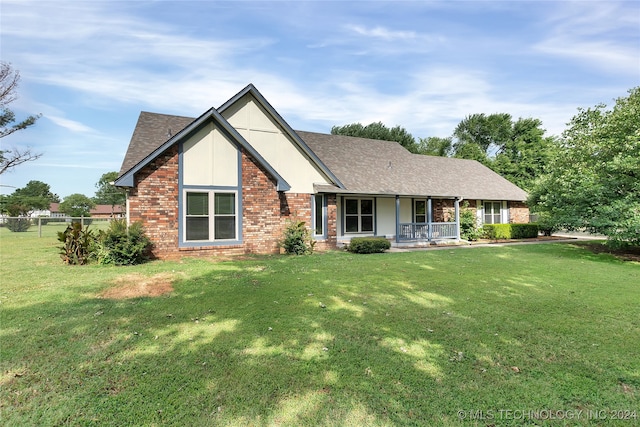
<point>378,130</point>
<point>77,205</point>
<point>36,195</point>
<point>435,146</point>
<point>14,156</point>
<point>517,150</point>
<point>107,193</point>
<point>594,182</point>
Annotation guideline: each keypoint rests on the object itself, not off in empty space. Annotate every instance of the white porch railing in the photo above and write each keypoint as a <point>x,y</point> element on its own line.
<point>427,231</point>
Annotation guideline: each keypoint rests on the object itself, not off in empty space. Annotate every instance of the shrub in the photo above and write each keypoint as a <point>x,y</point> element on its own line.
<point>546,224</point>
<point>296,238</point>
<point>78,244</point>
<point>510,231</point>
<point>524,231</point>
<point>18,225</point>
<point>496,231</point>
<point>122,245</point>
<point>468,224</point>
<point>368,245</point>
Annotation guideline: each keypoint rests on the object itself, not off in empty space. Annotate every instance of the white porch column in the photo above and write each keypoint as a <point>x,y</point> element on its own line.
<point>397,218</point>
<point>429,218</point>
<point>457,206</point>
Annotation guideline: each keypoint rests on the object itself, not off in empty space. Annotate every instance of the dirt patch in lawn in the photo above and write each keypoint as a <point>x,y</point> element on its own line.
<point>137,285</point>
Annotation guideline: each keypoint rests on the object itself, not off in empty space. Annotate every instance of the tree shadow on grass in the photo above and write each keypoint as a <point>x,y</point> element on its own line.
<point>284,341</point>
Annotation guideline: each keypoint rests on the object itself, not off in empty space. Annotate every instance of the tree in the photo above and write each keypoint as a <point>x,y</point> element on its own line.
<point>77,205</point>
<point>594,182</point>
<point>36,195</point>
<point>436,146</point>
<point>378,131</point>
<point>525,155</point>
<point>107,193</point>
<point>486,134</point>
<point>518,150</point>
<point>10,158</point>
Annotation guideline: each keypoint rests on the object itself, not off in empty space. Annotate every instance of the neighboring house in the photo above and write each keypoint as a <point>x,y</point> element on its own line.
<point>228,181</point>
<point>99,211</point>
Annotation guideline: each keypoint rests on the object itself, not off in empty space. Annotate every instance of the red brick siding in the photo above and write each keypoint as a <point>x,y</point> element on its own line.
<point>518,213</point>
<point>154,202</point>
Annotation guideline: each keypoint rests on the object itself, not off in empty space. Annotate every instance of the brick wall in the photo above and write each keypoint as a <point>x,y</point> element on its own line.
<point>518,213</point>
<point>154,202</point>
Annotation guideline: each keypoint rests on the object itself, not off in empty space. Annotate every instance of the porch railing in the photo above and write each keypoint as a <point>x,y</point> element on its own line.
<point>428,231</point>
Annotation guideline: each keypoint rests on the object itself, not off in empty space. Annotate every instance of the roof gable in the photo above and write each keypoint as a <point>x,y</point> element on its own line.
<point>148,136</point>
<point>251,90</point>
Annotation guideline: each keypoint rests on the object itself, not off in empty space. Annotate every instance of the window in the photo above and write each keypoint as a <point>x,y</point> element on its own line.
<point>492,212</point>
<point>358,215</point>
<point>318,215</point>
<point>210,216</point>
<point>420,211</point>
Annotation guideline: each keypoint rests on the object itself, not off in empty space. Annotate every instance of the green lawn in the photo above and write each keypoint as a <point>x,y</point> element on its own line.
<point>443,337</point>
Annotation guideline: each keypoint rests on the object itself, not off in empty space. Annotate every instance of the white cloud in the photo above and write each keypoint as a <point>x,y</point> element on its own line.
<point>383,33</point>
<point>603,35</point>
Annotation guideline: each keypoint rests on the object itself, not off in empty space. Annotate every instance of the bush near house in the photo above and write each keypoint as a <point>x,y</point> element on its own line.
<point>296,239</point>
<point>118,245</point>
<point>468,223</point>
<point>122,245</point>
<point>510,231</point>
<point>368,245</point>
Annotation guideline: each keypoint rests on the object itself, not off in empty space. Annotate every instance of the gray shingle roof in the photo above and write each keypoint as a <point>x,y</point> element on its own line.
<point>151,131</point>
<point>363,166</point>
<point>385,167</point>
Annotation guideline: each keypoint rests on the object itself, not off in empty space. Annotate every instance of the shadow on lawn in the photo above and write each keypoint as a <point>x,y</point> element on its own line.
<point>294,342</point>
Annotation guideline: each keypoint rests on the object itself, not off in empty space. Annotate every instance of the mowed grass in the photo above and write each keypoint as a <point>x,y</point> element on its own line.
<point>445,337</point>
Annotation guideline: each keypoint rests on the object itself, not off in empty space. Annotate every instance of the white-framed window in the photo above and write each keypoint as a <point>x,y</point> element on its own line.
<point>210,216</point>
<point>358,215</point>
<point>419,211</point>
<point>492,212</point>
<point>319,215</point>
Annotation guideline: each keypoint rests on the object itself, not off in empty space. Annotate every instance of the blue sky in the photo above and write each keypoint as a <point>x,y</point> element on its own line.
<point>90,67</point>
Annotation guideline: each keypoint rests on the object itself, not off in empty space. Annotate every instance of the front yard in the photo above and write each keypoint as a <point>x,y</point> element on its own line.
<point>515,335</point>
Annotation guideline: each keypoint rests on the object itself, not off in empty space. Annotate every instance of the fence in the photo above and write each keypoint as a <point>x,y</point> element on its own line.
<point>22,224</point>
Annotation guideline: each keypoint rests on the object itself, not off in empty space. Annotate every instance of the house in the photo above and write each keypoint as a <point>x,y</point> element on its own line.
<point>99,211</point>
<point>227,182</point>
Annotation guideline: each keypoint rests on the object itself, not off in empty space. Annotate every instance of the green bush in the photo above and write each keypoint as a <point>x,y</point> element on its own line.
<point>78,244</point>
<point>122,245</point>
<point>18,225</point>
<point>546,224</point>
<point>468,224</point>
<point>510,231</point>
<point>368,245</point>
<point>524,231</point>
<point>296,238</point>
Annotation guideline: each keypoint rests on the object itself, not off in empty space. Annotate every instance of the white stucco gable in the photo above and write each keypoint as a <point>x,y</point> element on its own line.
<point>274,143</point>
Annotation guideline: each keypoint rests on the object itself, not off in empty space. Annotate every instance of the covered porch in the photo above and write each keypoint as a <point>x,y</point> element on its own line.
<point>404,220</point>
<point>424,229</point>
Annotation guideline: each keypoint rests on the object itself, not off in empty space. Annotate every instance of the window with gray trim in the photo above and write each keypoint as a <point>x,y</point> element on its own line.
<point>358,215</point>
<point>318,215</point>
<point>210,216</point>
